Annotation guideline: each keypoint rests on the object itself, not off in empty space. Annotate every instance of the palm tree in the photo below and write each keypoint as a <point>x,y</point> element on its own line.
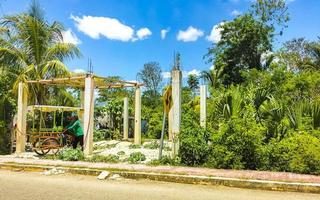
<point>212,76</point>
<point>35,48</point>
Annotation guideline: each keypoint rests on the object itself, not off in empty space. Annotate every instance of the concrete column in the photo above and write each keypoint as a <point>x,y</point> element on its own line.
<point>125,118</point>
<point>170,121</point>
<point>81,105</point>
<point>203,105</point>
<point>22,118</point>
<point>176,98</point>
<point>137,117</point>
<point>88,115</point>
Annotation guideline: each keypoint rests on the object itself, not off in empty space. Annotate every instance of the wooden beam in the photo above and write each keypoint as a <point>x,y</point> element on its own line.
<point>56,80</point>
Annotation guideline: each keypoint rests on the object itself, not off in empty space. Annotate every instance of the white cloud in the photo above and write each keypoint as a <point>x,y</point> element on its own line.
<point>111,28</point>
<point>190,35</point>
<point>166,75</point>
<point>164,33</point>
<point>69,37</point>
<point>235,13</point>
<point>215,35</point>
<point>143,33</point>
<point>194,72</point>
<point>79,71</point>
<point>185,74</point>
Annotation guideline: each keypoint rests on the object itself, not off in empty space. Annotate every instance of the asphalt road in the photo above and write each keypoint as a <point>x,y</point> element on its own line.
<point>32,185</point>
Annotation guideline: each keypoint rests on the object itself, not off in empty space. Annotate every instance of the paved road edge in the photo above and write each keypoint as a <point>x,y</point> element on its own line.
<point>177,178</point>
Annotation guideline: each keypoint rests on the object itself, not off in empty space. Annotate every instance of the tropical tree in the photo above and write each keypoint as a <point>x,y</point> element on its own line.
<point>35,48</point>
<point>151,76</point>
<point>193,82</point>
<point>234,54</point>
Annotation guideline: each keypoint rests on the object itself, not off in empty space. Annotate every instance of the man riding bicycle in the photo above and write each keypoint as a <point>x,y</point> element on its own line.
<point>76,129</point>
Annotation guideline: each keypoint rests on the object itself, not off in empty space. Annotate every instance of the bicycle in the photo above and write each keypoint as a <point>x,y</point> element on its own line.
<point>51,142</point>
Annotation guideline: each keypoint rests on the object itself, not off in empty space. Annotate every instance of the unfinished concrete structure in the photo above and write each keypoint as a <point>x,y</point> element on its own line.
<point>87,84</point>
<point>176,76</point>
<point>203,105</point>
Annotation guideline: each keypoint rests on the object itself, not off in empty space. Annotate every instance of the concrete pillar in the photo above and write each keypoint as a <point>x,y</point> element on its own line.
<point>80,113</point>
<point>176,106</point>
<point>137,116</point>
<point>88,115</point>
<point>203,105</point>
<point>170,121</point>
<point>125,118</point>
<point>22,118</point>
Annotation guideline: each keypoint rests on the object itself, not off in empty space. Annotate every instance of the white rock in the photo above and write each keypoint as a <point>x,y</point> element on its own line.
<point>115,177</point>
<point>53,171</point>
<point>103,175</point>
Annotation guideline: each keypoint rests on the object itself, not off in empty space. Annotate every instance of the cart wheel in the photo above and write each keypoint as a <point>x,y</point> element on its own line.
<point>37,147</point>
<point>51,144</point>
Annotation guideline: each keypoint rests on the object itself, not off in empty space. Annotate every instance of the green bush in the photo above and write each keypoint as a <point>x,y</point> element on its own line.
<point>152,145</point>
<point>121,153</point>
<point>101,134</point>
<point>102,158</point>
<point>165,160</point>
<point>134,146</point>
<point>193,146</point>
<point>69,154</point>
<point>298,153</point>
<point>136,157</point>
<point>236,144</point>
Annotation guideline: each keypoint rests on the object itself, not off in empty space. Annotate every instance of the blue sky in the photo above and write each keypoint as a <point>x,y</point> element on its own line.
<point>121,35</point>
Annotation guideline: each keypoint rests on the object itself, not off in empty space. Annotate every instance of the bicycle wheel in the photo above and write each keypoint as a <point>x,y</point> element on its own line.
<point>51,144</point>
<point>37,148</point>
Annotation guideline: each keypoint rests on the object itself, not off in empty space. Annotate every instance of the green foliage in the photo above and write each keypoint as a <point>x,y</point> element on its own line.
<point>36,48</point>
<point>121,153</point>
<point>154,117</point>
<point>193,140</point>
<point>105,146</point>
<point>193,82</point>
<point>102,158</point>
<point>136,157</point>
<point>236,143</point>
<point>234,54</point>
<point>165,160</point>
<point>298,153</point>
<point>271,12</point>
<point>151,76</point>
<point>152,145</point>
<point>101,134</point>
<point>70,154</point>
<point>134,146</point>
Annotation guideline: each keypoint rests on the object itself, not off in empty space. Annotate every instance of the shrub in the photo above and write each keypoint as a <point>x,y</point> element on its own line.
<point>236,144</point>
<point>136,157</point>
<point>101,134</point>
<point>298,153</point>
<point>69,154</point>
<point>102,158</point>
<point>134,146</point>
<point>165,160</point>
<point>152,145</point>
<point>121,153</point>
<point>193,146</point>
<point>105,146</point>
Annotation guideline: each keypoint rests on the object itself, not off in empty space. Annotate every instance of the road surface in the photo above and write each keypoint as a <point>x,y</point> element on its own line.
<point>34,185</point>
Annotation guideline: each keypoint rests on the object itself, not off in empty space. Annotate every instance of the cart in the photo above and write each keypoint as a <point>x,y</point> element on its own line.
<point>45,133</point>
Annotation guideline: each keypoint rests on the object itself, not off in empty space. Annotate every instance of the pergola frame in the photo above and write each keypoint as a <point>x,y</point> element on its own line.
<point>86,83</point>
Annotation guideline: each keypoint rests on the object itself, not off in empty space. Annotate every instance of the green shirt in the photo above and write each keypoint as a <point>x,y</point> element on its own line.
<point>76,128</point>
